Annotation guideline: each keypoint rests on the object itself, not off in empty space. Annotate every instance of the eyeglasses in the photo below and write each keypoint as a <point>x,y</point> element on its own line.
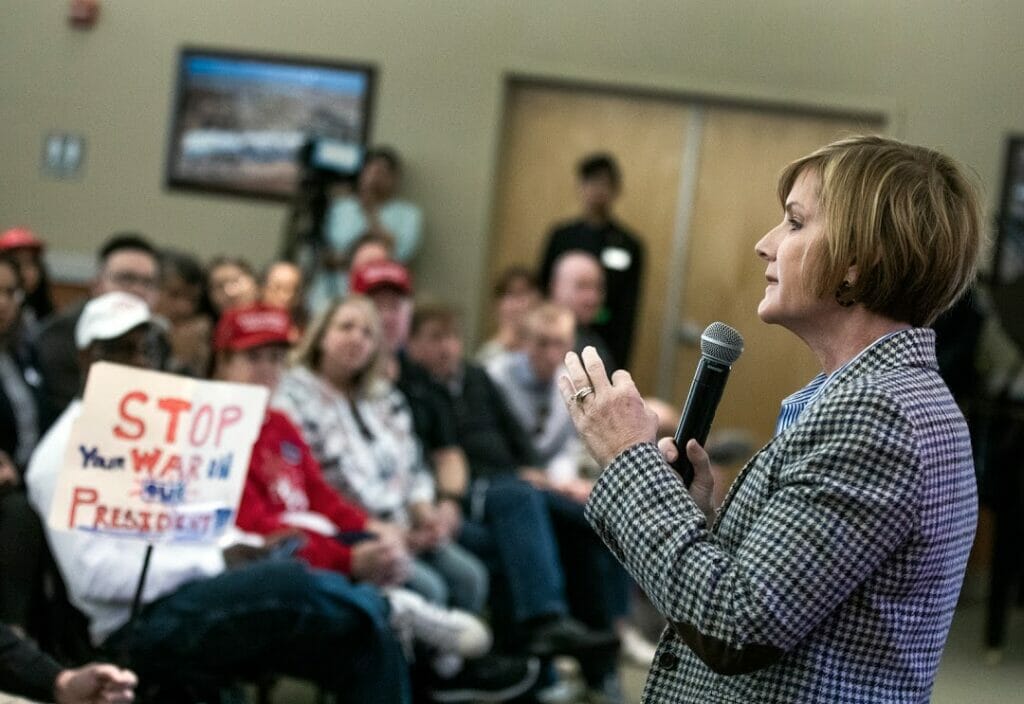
<point>129,279</point>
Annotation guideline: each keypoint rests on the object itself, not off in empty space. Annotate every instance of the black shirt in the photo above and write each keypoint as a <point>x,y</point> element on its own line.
<point>587,336</point>
<point>56,359</point>
<point>24,670</point>
<point>487,430</point>
<point>621,255</point>
<point>471,413</point>
<point>431,409</point>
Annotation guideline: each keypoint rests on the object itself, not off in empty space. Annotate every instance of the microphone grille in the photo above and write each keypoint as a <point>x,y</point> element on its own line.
<point>721,343</point>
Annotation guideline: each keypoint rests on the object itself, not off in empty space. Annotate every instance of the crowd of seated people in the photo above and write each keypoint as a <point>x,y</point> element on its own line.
<point>411,520</point>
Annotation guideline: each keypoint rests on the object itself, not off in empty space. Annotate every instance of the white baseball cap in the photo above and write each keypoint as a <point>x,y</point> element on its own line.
<point>110,315</point>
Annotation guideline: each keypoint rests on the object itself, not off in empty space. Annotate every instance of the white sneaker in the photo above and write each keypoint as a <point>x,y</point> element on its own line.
<point>560,692</point>
<point>635,648</point>
<point>447,630</point>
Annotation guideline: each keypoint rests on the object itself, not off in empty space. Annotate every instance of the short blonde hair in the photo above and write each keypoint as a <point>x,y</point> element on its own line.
<point>906,216</point>
<point>370,381</point>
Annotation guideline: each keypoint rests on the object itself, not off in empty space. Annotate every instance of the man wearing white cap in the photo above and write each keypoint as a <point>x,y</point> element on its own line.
<point>208,618</point>
<point>126,262</point>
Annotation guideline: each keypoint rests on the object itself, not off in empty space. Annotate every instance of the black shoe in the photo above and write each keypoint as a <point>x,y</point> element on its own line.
<point>567,636</point>
<point>610,692</point>
<point>491,678</point>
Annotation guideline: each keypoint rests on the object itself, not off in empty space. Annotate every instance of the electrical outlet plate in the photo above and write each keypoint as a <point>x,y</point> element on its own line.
<point>63,155</point>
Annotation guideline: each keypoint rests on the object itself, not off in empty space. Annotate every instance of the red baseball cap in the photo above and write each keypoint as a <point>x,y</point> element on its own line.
<point>377,275</point>
<point>252,326</point>
<point>20,238</point>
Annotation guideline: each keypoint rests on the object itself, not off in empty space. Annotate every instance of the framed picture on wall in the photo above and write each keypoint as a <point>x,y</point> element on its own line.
<point>240,120</point>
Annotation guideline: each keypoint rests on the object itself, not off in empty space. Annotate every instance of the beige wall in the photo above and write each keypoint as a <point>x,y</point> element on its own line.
<point>947,73</point>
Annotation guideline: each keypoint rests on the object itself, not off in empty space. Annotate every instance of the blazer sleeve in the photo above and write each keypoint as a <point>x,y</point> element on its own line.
<point>844,500</point>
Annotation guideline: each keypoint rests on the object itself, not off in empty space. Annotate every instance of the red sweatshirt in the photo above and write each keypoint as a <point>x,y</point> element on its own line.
<point>283,477</point>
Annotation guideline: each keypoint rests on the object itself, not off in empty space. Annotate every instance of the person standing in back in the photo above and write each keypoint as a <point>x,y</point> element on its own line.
<point>620,252</point>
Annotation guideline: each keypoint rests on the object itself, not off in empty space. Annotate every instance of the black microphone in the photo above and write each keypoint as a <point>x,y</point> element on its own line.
<point>720,347</point>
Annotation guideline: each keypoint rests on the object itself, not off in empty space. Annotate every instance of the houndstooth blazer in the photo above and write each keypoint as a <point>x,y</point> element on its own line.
<point>832,569</point>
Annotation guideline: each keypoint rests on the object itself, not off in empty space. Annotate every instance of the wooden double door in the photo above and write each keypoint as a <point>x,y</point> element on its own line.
<point>699,185</point>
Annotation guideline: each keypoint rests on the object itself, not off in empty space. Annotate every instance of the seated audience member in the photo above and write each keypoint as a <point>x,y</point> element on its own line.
<point>361,432</point>
<point>389,285</point>
<point>281,286</point>
<point>27,250</point>
<point>21,538</point>
<point>492,438</point>
<point>126,262</point>
<point>620,252</point>
<point>577,282</point>
<point>22,553</point>
<point>529,381</point>
<point>370,247</point>
<point>27,672</point>
<point>285,491</point>
<point>230,283</point>
<point>499,452</point>
<point>182,291</point>
<point>367,248</point>
<point>373,208</point>
<point>514,294</point>
<point>19,417</point>
<point>200,624</point>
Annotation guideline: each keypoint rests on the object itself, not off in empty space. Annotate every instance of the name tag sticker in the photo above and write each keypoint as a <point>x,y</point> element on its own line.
<point>616,258</point>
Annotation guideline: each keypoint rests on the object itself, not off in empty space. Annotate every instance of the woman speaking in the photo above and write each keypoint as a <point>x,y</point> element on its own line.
<point>831,571</point>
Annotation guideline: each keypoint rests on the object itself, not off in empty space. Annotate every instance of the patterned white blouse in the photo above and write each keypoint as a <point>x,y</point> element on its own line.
<point>366,448</point>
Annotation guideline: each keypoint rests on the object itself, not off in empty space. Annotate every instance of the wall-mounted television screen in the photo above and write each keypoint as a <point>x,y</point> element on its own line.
<point>240,119</point>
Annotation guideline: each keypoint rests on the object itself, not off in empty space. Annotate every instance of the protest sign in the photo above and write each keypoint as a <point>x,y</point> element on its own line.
<point>157,457</point>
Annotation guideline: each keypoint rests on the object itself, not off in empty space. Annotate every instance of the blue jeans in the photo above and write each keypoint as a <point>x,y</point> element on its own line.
<point>551,560</point>
<point>597,586</point>
<point>271,617</point>
<point>508,526</point>
<point>450,576</point>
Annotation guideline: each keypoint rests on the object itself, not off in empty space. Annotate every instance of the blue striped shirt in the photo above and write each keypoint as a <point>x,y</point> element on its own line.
<point>794,404</point>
